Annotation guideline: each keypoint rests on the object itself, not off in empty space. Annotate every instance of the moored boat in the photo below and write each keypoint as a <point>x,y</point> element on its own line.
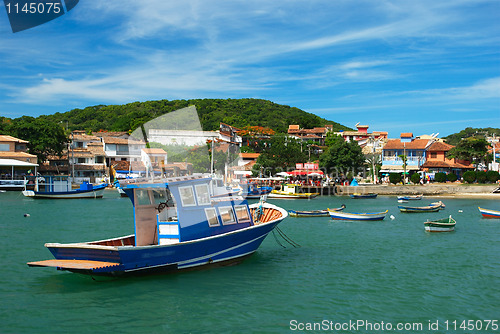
<point>434,207</point>
<point>441,205</point>
<point>368,195</point>
<point>59,187</point>
<point>410,197</point>
<point>339,215</point>
<point>291,191</point>
<point>178,225</point>
<point>441,225</point>
<point>252,191</point>
<point>314,213</point>
<point>488,213</point>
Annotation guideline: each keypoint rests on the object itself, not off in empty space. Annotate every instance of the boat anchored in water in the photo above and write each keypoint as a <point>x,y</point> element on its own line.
<point>434,207</point>
<point>489,213</point>
<point>291,191</point>
<point>59,187</point>
<point>178,225</point>
<point>440,225</point>
<point>314,213</point>
<point>339,215</point>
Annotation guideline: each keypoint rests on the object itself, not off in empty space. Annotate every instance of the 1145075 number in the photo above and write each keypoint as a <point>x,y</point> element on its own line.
<point>34,8</point>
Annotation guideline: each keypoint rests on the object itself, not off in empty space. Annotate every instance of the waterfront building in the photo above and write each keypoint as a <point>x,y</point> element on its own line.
<point>16,149</point>
<point>15,162</point>
<point>413,149</point>
<point>317,134</point>
<point>86,157</point>
<point>437,162</point>
<point>119,146</point>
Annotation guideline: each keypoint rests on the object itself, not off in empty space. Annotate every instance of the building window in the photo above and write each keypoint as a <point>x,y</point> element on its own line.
<point>434,155</point>
<point>5,147</point>
<point>81,160</point>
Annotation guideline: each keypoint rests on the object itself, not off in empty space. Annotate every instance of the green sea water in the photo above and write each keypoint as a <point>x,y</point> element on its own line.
<point>388,272</point>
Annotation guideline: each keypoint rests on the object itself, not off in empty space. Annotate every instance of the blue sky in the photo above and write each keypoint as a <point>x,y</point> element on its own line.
<point>398,66</point>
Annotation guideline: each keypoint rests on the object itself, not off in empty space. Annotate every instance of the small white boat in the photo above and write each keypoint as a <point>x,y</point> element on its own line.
<point>339,215</point>
<point>314,213</point>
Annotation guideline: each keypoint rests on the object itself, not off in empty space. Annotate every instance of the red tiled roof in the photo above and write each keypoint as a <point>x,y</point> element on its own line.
<point>396,144</point>
<point>444,164</point>
<point>249,155</point>
<point>439,147</point>
<point>12,139</point>
<point>407,135</point>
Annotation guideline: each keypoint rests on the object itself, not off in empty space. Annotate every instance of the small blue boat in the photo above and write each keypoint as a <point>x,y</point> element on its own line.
<point>252,191</point>
<point>410,197</point>
<point>59,187</point>
<point>178,225</point>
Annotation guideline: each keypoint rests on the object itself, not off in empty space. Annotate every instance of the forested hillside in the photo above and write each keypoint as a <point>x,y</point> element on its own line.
<point>235,112</point>
<point>455,138</point>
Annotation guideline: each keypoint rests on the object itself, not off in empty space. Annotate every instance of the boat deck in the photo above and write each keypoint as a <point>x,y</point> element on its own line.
<point>269,214</point>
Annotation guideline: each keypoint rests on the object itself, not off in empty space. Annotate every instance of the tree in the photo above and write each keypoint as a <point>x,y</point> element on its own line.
<point>492,176</point>
<point>394,178</point>
<point>282,153</point>
<point>471,149</point>
<point>440,177</point>
<point>45,137</point>
<point>415,178</point>
<point>469,176</point>
<point>341,156</point>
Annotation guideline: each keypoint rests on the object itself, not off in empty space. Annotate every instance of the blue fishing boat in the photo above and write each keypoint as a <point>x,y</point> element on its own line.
<point>59,187</point>
<point>339,215</point>
<point>252,191</point>
<point>178,225</point>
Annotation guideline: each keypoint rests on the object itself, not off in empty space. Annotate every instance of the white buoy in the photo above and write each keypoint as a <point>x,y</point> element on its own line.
<point>460,211</point>
<point>392,217</point>
<point>26,215</point>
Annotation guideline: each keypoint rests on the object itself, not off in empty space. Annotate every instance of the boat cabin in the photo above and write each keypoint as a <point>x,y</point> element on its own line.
<point>183,209</point>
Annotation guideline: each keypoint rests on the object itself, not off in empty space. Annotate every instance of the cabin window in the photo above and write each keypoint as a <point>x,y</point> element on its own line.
<point>142,196</point>
<point>187,196</point>
<point>242,213</point>
<point>160,196</point>
<point>227,215</point>
<point>202,194</point>
<point>212,217</point>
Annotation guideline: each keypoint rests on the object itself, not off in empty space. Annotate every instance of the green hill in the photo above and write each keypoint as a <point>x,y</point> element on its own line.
<point>235,112</point>
<point>454,138</point>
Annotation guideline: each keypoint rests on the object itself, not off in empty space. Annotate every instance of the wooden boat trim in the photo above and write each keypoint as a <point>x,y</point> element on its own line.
<point>73,264</point>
